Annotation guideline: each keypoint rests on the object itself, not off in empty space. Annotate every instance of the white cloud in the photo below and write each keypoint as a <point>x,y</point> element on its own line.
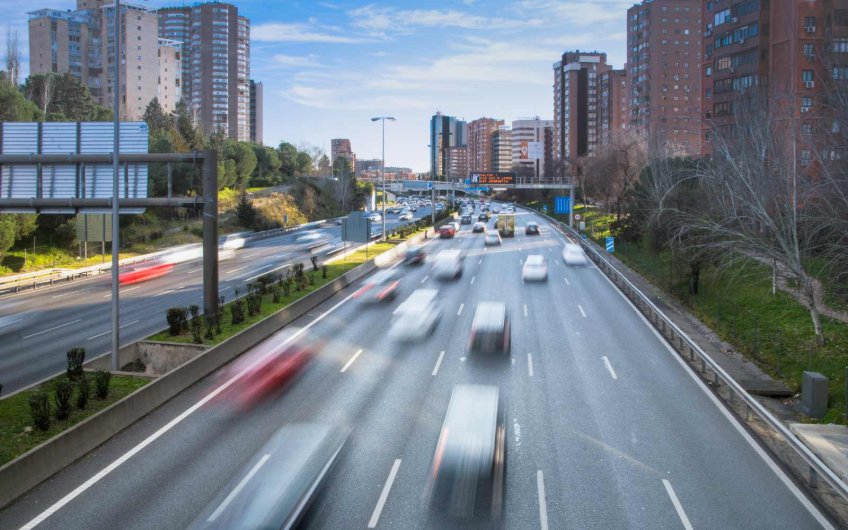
<point>577,13</point>
<point>344,99</point>
<point>279,32</point>
<point>380,20</point>
<point>307,61</point>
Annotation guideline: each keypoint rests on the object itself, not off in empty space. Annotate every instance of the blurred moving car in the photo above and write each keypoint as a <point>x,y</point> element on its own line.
<point>535,269</point>
<point>483,217</point>
<point>405,216</point>
<point>447,231</point>
<point>490,331</point>
<point>268,367</point>
<point>233,241</point>
<point>277,485</point>
<point>381,287</point>
<point>447,265</point>
<point>493,238</point>
<point>375,217</point>
<point>495,209</point>
<point>465,219</point>
<point>478,227</point>
<point>312,236</point>
<point>417,317</point>
<point>532,229</point>
<point>468,474</point>
<point>572,254</point>
<point>414,255</point>
<point>143,272</point>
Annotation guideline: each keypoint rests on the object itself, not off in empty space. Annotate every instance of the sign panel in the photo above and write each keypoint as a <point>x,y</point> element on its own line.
<point>610,244</point>
<point>562,205</point>
<point>523,150</point>
<point>417,185</point>
<point>500,178</point>
<point>94,227</point>
<point>92,181</point>
<point>356,227</point>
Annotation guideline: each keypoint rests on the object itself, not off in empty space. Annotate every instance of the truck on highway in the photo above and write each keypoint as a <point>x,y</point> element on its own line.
<point>506,225</point>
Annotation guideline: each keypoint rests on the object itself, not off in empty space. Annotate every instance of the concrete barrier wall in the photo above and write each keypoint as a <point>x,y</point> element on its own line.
<point>40,463</point>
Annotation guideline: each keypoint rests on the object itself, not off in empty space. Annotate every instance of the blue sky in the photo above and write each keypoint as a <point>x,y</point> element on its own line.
<point>328,66</point>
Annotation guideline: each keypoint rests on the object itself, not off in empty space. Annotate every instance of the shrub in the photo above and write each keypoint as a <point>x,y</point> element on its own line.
<point>39,409</point>
<point>63,390</point>
<point>237,309</point>
<point>314,260</point>
<point>102,378</point>
<point>324,272</point>
<point>276,293</point>
<point>76,356</point>
<point>196,324</point>
<point>210,326</point>
<point>83,391</point>
<point>177,317</point>
<point>219,316</point>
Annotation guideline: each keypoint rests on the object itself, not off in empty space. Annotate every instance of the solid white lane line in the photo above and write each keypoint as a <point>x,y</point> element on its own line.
<point>480,262</point>
<point>72,292</point>
<point>110,331</point>
<point>238,488</point>
<point>250,255</point>
<point>163,292</point>
<point>581,310</point>
<point>472,279</point>
<point>521,261</point>
<point>192,271</point>
<point>608,364</point>
<point>53,328</point>
<point>375,516</point>
<point>122,291</point>
<point>525,310</point>
<point>677,506</point>
<point>269,272</point>
<point>439,362</point>
<point>543,504</point>
<point>567,282</point>
<point>530,364</point>
<point>238,269</point>
<point>425,278</point>
<point>82,488</point>
<point>351,361</point>
<point>777,470</point>
<point>485,249</point>
<point>460,309</point>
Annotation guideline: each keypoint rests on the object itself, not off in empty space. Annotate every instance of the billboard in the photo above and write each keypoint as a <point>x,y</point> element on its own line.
<point>69,181</point>
<point>531,150</point>
<point>524,150</point>
<point>499,178</point>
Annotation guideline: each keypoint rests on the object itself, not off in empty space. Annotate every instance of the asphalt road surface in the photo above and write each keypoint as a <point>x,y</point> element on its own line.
<point>606,427</point>
<point>38,327</point>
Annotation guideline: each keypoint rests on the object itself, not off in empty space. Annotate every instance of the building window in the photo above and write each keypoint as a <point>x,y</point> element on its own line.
<point>806,157</point>
<point>809,50</point>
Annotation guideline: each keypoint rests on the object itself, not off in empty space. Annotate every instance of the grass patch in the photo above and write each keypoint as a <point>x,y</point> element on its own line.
<point>269,307</point>
<point>597,222</point>
<point>16,439</point>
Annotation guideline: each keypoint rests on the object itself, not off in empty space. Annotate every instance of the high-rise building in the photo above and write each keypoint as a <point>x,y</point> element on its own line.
<point>502,149</point>
<point>257,104</point>
<point>340,148</point>
<point>664,65</point>
<point>457,163</point>
<point>480,133</point>
<point>366,165</point>
<point>80,42</point>
<point>445,132</point>
<point>612,105</point>
<point>576,128</point>
<point>526,132</point>
<point>216,64</point>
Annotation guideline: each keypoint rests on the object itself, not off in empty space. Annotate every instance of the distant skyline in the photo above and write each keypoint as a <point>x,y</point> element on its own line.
<point>328,67</point>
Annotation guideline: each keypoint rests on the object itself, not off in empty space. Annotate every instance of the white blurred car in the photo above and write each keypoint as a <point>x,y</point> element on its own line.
<point>417,317</point>
<point>535,269</point>
<point>447,265</point>
<point>572,254</point>
<point>405,216</point>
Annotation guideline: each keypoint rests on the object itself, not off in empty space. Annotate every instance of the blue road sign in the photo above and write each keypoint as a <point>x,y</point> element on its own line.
<point>544,208</point>
<point>584,236</point>
<point>610,244</point>
<point>562,204</point>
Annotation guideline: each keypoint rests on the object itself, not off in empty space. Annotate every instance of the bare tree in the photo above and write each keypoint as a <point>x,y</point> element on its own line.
<point>13,63</point>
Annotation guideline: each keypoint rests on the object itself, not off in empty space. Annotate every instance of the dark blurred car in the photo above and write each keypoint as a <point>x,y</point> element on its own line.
<point>143,272</point>
<point>275,488</point>
<point>414,255</point>
<point>478,227</point>
<point>483,217</point>
<point>532,229</point>
<point>465,219</point>
<point>447,231</point>
<point>490,332</point>
<point>381,287</point>
<point>468,475</point>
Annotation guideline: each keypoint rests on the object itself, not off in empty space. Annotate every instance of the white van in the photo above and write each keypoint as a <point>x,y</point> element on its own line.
<point>417,317</point>
<point>447,265</point>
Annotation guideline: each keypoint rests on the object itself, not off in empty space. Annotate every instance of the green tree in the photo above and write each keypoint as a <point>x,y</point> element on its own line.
<point>62,97</point>
<point>191,135</point>
<point>268,165</point>
<point>156,117</point>
<point>288,159</point>
<point>303,164</point>
<point>14,106</point>
<point>14,227</point>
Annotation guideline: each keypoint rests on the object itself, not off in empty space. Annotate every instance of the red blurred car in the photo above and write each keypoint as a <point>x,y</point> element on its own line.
<point>447,232</point>
<point>265,370</point>
<point>142,273</point>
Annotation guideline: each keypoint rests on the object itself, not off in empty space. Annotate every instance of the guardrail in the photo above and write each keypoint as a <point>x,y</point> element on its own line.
<point>32,280</point>
<point>708,368</point>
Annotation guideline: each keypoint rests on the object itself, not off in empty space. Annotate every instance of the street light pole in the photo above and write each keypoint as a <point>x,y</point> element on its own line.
<point>116,170</point>
<point>383,166</point>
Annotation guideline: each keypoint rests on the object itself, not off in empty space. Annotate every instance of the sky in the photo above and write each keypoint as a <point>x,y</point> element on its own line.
<point>328,67</point>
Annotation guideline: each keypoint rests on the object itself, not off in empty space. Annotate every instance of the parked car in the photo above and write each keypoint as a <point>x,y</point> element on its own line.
<point>493,238</point>
<point>478,227</point>
<point>572,254</point>
<point>532,229</point>
<point>490,331</point>
<point>417,317</point>
<point>535,269</point>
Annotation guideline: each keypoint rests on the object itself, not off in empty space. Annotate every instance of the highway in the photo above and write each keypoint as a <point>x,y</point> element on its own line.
<point>606,427</point>
<point>38,327</point>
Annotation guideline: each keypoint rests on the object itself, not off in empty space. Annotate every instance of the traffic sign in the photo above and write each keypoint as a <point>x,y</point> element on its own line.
<point>577,217</point>
<point>562,205</point>
<point>544,208</point>
<point>610,244</point>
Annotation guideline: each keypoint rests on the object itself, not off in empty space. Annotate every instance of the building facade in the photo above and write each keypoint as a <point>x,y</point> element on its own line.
<point>524,133</point>
<point>576,125</point>
<point>664,51</point>
<point>480,135</point>
<point>257,105</point>
<point>445,132</point>
<point>457,163</point>
<point>216,64</point>
<point>502,149</point>
<point>340,148</point>
<point>612,105</point>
